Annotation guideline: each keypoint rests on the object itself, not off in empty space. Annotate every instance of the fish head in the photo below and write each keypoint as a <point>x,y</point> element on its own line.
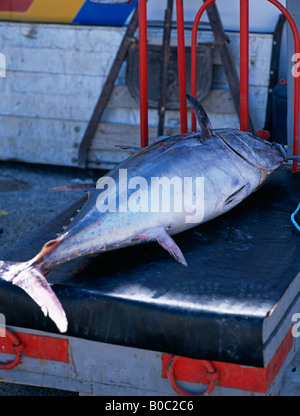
<point>261,154</point>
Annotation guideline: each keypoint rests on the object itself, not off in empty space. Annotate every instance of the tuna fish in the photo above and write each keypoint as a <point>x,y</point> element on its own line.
<point>205,174</point>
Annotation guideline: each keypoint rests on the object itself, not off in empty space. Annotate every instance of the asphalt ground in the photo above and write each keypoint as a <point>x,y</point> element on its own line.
<point>27,202</point>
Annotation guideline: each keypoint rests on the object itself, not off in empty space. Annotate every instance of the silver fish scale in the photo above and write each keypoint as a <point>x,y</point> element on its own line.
<point>224,171</point>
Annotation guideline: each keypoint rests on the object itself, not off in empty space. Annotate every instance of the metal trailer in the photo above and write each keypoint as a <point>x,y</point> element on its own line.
<point>139,324</point>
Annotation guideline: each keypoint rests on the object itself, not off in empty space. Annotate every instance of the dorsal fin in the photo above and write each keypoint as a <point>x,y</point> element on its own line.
<point>202,117</point>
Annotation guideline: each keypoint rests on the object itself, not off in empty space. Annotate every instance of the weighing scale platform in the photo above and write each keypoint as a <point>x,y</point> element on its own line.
<point>233,304</point>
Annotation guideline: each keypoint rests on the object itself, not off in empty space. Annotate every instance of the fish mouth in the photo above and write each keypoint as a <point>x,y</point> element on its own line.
<point>282,151</point>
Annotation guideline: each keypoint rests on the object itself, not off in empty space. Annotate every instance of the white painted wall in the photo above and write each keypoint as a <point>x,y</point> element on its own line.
<point>54,77</point>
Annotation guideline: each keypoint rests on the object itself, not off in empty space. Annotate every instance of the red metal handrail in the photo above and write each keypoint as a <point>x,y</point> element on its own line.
<point>244,67</point>
<point>296,80</point>
<point>143,72</point>
<point>181,66</point>
<point>194,56</point>
<point>244,61</point>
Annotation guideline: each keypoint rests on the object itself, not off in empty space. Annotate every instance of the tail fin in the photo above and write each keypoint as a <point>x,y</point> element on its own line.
<point>31,279</point>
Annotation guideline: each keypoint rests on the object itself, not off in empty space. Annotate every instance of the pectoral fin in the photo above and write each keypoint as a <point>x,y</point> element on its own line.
<point>163,238</point>
<point>237,196</point>
<point>167,242</point>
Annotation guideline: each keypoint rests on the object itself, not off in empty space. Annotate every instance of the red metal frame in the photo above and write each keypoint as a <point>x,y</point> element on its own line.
<point>244,61</point>
<point>244,68</point>
<point>143,69</point>
<point>194,56</point>
<point>143,72</point>
<point>244,65</point>
<point>181,67</point>
<point>296,81</point>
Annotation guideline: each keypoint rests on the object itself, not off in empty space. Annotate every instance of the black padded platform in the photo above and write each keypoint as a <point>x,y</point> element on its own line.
<point>242,265</point>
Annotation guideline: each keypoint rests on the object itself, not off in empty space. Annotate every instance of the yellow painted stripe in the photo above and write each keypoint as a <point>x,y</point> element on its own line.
<point>60,11</point>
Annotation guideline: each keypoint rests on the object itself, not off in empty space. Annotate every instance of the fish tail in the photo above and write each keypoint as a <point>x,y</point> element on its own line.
<point>30,278</point>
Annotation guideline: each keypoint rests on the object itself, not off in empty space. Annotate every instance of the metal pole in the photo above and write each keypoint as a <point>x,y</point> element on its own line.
<point>143,72</point>
<point>194,56</point>
<point>296,81</point>
<point>244,65</point>
<point>181,66</point>
<point>164,68</point>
